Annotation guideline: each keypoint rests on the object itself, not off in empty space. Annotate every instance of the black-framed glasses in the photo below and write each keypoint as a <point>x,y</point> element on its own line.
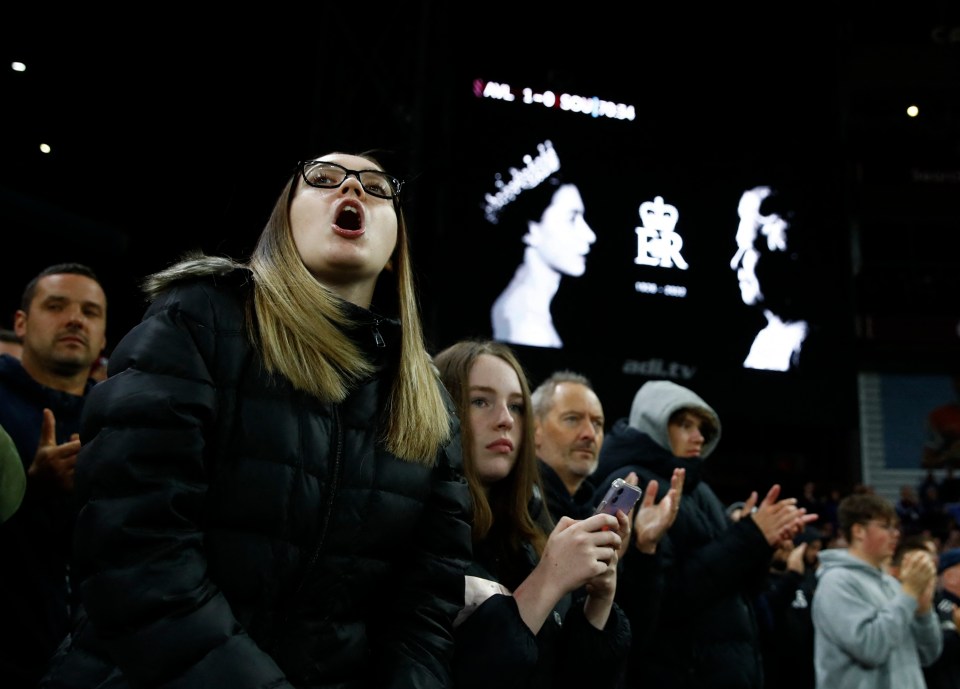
<point>326,175</point>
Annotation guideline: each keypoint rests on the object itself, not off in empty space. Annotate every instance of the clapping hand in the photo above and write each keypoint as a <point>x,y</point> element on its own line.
<point>778,519</point>
<point>918,576</point>
<point>652,520</point>
<point>54,464</point>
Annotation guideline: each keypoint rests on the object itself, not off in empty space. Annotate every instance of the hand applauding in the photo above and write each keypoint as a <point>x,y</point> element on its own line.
<point>651,521</point>
<point>54,464</point>
<point>778,519</point>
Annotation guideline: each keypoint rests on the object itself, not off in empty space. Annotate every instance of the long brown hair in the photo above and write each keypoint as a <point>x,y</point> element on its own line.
<point>503,511</point>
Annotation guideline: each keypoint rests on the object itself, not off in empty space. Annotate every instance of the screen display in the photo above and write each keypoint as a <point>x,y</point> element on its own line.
<point>592,236</point>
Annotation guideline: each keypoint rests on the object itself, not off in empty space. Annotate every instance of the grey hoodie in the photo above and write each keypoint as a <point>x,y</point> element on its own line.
<point>656,400</point>
<point>867,635</point>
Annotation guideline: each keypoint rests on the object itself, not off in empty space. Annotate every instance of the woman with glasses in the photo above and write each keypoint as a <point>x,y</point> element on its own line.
<point>539,608</point>
<point>270,478</point>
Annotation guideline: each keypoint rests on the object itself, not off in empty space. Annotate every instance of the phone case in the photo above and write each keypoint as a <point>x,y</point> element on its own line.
<point>620,496</point>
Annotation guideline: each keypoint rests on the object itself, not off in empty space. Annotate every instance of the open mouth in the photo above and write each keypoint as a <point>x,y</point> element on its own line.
<point>348,218</point>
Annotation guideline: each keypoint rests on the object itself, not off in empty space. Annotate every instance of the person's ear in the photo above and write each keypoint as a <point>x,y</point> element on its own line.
<point>856,532</point>
<point>533,235</point>
<point>20,323</point>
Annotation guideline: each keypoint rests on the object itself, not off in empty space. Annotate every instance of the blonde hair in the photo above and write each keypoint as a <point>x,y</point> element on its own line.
<point>299,326</point>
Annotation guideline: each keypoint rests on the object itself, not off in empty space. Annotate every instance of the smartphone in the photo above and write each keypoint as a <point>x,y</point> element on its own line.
<point>620,496</point>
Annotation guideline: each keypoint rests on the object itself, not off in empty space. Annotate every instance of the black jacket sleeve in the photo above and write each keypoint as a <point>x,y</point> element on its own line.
<point>419,653</point>
<point>495,648</point>
<point>640,593</point>
<point>735,561</point>
<point>591,657</point>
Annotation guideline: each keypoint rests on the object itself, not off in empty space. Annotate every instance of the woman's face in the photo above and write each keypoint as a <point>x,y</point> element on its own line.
<point>562,235</point>
<point>345,236</point>
<point>495,417</point>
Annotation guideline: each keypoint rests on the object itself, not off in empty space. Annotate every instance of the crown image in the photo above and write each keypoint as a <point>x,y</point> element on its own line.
<point>657,215</point>
<point>534,171</point>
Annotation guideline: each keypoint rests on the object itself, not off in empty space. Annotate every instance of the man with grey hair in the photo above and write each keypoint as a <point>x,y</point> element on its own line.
<point>569,422</point>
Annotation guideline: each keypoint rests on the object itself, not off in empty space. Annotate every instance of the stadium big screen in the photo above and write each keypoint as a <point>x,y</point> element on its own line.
<point>684,246</point>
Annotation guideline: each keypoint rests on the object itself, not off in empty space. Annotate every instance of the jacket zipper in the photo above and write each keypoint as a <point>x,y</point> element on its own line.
<point>334,483</point>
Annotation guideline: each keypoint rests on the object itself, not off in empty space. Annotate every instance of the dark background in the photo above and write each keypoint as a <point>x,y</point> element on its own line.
<point>171,132</point>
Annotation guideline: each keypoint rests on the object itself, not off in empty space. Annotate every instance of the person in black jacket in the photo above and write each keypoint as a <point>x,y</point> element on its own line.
<point>705,632</point>
<point>61,324</point>
<point>784,612</point>
<point>271,482</point>
<point>11,343</point>
<point>540,609</point>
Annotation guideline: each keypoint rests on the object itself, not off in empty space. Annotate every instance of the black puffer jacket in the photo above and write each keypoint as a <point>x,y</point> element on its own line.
<point>238,533</point>
<point>705,630</point>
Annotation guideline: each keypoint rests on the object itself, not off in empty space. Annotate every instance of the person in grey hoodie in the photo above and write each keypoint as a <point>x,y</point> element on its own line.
<point>871,630</point>
<point>702,632</point>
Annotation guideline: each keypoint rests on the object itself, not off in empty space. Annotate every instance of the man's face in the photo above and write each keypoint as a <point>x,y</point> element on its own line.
<point>570,434</point>
<point>64,329</point>
<point>880,539</point>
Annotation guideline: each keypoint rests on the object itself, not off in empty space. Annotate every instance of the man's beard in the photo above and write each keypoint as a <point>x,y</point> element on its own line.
<point>584,470</point>
<point>69,367</point>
